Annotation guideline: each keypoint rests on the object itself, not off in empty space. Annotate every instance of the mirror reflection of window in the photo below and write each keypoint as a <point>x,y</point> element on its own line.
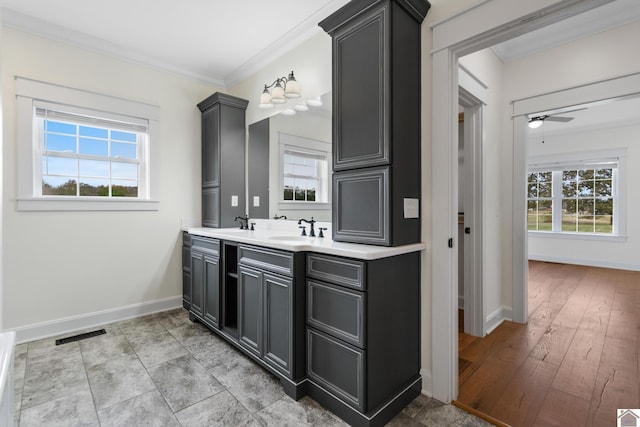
<point>304,170</point>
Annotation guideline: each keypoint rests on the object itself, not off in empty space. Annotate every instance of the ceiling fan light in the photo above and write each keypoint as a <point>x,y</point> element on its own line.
<point>535,122</point>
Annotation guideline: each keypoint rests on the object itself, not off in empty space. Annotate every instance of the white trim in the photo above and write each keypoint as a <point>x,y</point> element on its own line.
<point>30,92</point>
<point>576,236</point>
<point>65,325</point>
<point>587,262</point>
<point>496,318</point>
<point>472,84</point>
<point>427,383</point>
<point>84,204</point>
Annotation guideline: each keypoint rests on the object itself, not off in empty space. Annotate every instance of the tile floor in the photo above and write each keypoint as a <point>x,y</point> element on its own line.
<point>163,370</point>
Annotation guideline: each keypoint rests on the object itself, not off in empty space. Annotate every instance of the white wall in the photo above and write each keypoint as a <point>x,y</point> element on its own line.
<point>613,254</point>
<point>591,59</point>
<point>64,264</point>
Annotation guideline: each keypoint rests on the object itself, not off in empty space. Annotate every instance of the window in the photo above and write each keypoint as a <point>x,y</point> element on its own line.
<point>86,156</point>
<point>304,176</point>
<point>304,172</point>
<point>575,197</point>
<point>79,150</point>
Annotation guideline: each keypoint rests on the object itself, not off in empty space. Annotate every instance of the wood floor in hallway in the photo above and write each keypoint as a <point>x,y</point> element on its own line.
<point>573,364</point>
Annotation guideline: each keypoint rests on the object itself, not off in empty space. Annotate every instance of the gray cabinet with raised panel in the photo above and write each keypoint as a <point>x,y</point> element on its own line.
<point>363,334</point>
<point>376,120</point>
<point>223,153</point>
<point>204,288</point>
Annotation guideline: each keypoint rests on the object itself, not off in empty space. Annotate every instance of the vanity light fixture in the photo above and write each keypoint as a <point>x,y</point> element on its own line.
<point>283,88</point>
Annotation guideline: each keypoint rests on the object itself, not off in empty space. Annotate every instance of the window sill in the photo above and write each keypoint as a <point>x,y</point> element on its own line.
<point>578,236</point>
<point>85,204</point>
<point>302,206</point>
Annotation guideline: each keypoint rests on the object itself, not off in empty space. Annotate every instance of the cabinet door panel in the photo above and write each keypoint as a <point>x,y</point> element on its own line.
<point>250,309</point>
<point>336,366</point>
<point>361,69</point>
<point>361,206</point>
<point>337,311</point>
<point>211,147</point>
<point>186,289</point>
<point>278,322</point>
<point>211,207</point>
<point>212,290</point>
<point>197,283</point>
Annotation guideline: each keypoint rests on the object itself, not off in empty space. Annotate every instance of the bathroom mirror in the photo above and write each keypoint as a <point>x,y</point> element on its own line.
<point>289,163</point>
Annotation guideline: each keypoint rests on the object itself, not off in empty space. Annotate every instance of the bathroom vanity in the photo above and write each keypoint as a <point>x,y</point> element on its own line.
<point>339,322</point>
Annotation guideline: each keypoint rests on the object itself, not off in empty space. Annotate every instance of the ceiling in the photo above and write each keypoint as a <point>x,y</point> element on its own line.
<point>217,41</point>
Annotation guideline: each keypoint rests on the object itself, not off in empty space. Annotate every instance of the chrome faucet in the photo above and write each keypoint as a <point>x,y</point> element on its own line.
<point>312,232</point>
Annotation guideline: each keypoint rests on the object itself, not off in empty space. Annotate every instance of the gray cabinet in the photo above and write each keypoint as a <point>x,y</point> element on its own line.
<point>223,154</point>
<point>204,286</point>
<point>266,292</point>
<point>363,334</point>
<point>376,119</point>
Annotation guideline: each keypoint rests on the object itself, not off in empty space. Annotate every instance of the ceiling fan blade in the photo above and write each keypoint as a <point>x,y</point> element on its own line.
<point>558,119</point>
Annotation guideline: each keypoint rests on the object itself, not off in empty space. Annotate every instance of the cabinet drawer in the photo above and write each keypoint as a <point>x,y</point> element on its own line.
<point>336,367</point>
<point>337,311</point>
<point>206,245</point>
<point>268,259</point>
<point>341,271</point>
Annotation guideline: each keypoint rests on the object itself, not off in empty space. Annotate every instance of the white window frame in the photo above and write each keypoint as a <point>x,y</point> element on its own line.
<point>31,93</point>
<point>586,160</point>
<point>303,145</point>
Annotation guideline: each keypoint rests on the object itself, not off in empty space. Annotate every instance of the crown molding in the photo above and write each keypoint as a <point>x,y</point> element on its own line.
<point>45,29</point>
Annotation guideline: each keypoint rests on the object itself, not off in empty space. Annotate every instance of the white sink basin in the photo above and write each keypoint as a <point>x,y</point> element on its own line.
<point>290,238</point>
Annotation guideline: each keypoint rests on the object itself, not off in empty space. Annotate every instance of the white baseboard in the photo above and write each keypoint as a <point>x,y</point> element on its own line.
<point>496,318</point>
<point>587,262</point>
<point>51,328</point>
<point>427,383</point>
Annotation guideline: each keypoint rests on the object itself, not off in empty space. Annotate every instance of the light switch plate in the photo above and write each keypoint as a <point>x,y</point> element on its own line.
<point>256,201</point>
<point>234,200</point>
<point>411,208</point>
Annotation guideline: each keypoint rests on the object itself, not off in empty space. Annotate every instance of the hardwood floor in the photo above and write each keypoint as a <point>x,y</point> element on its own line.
<point>574,363</point>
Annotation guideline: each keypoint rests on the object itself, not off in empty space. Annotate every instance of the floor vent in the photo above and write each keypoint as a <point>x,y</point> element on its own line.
<point>81,336</point>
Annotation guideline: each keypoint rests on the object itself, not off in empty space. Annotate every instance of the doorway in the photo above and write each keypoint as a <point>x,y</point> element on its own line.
<point>453,38</point>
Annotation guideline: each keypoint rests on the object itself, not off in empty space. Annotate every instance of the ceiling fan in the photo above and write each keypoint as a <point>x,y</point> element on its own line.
<point>536,121</point>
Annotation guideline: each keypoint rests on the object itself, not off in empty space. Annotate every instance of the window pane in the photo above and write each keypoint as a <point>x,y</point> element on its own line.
<point>585,207</point>
<point>569,175</point>
<point>95,132</point>
<point>532,190</point>
<point>299,170</point>
<point>120,149</point>
<point>544,189</point>
<point>60,143</point>
<point>604,207</point>
<point>94,187</point>
<point>585,224</point>
<point>569,189</point>
<point>58,186</point>
<point>545,176</point>
<point>94,168</point>
<point>299,194</point>
<point>532,222</point>
<point>121,188</point>
<point>586,188</point>
<point>59,127</point>
<point>532,177</point>
<point>604,173</point>
<point>62,166</point>
<point>585,174</point>
<point>123,136</point>
<point>94,147</point>
<point>124,170</point>
<point>603,188</point>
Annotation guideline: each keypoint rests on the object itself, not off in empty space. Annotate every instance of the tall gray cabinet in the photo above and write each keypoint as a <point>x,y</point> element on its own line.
<point>376,120</point>
<point>223,147</point>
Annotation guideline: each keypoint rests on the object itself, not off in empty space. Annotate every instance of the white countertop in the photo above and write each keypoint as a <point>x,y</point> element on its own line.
<point>292,241</point>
